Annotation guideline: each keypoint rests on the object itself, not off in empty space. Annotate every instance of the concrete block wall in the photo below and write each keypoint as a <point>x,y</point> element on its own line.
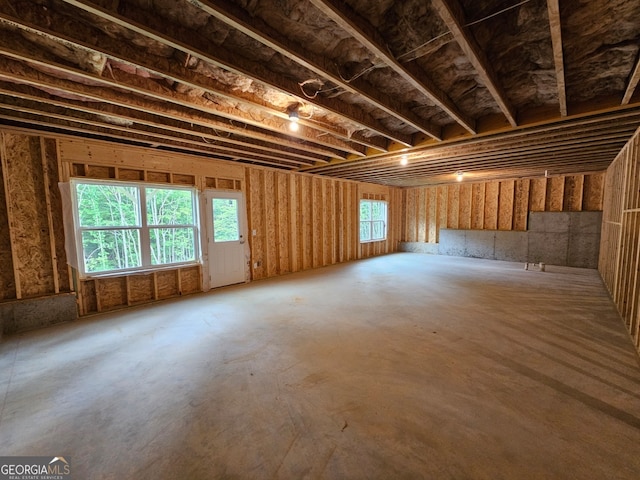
<point>31,313</point>
<point>555,238</point>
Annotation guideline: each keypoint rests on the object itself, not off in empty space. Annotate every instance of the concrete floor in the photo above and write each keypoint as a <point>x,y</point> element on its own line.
<point>404,366</point>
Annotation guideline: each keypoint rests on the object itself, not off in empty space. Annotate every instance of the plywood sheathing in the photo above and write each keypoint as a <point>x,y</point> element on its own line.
<point>295,221</point>
<point>29,225</point>
<point>298,221</point>
<point>500,205</point>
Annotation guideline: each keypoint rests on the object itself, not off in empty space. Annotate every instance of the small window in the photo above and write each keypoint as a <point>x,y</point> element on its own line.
<point>123,226</point>
<point>373,220</point>
<point>225,219</point>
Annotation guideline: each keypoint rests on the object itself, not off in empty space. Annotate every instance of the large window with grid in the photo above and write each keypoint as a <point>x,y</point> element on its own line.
<point>124,226</point>
<point>373,220</point>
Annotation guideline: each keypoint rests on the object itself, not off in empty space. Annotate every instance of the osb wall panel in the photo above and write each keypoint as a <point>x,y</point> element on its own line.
<point>141,289</point>
<point>297,221</point>
<point>502,205</point>
<point>89,159</point>
<point>190,280</point>
<point>300,221</point>
<point>619,261</point>
<point>28,216</point>
<point>111,293</point>
<point>167,284</point>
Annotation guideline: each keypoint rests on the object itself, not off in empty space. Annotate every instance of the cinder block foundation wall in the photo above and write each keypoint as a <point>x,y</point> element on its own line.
<point>619,262</point>
<point>301,222</point>
<point>498,205</point>
<point>555,238</point>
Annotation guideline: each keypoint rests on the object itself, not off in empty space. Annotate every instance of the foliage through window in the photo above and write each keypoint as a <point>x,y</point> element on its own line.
<point>225,220</point>
<point>123,226</point>
<point>373,220</point>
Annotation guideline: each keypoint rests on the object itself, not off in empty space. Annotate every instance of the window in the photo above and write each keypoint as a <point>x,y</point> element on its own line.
<point>225,220</point>
<point>373,220</point>
<point>126,226</point>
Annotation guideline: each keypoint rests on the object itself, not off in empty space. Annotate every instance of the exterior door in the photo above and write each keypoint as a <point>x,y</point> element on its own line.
<point>226,237</point>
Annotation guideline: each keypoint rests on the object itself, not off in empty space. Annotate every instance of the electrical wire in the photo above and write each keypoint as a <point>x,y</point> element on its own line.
<point>438,37</point>
<point>497,13</point>
<point>380,65</point>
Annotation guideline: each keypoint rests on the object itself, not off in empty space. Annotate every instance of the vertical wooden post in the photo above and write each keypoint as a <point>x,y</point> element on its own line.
<point>47,198</point>
<point>10,214</point>
<point>265,229</point>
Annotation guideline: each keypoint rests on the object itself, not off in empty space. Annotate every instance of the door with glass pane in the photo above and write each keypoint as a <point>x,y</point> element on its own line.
<point>226,237</point>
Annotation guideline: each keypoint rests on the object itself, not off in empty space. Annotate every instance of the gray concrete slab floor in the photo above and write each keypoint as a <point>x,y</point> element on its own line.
<point>403,366</point>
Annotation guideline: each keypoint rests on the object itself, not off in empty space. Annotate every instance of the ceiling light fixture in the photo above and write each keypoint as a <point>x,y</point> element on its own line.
<point>404,160</point>
<point>294,117</point>
<point>459,175</point>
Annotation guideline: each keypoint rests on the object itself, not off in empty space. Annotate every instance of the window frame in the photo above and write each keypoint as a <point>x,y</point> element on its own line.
<point>384,222</point>
<point>143,227</point>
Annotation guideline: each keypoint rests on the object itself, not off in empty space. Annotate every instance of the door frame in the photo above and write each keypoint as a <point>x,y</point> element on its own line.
<point>207,230</point>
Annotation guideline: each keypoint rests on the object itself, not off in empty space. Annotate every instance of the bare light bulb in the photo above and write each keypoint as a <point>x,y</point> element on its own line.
<point>294,118</point>
<point>404,160</point>
<point>459,176</point>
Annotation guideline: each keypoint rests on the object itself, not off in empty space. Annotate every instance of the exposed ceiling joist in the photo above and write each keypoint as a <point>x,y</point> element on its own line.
<point>451,12</point>
<point>146,123</point>
<point>632,84</point>
<point>190,43</point>
<point>104,45</point>
<point>555,25</point>
<point>366,34</point>
<point>152,99</point>
<point>230,14</point>
<point>60,122</point>
<point>511,156</point>
<point>509,145</point>
<point>219,78</point>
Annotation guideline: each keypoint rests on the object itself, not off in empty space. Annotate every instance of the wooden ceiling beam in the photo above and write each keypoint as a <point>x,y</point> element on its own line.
<point>555,25</point>
<point>167,128</point>
<point>634,78</point>
<point>538,163</point>
<point>507,156</point>
<point>479,160</point>
<point>349,20</point>
<point>124,134</point>
<point>575,123</point>
<point>258,30</point>
<point>496,173</point>
<point>15,71</point>
<point>106,46</point>
<point>502,175</point>
<point>453,15</point>
<point>586,165</point>
<point>118,80</point>
<point>173,35</point>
